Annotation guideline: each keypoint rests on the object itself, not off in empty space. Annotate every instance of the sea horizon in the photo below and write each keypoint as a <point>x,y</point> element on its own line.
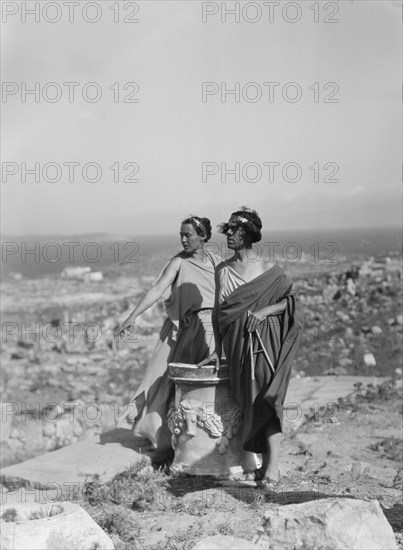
<point>35,256</point>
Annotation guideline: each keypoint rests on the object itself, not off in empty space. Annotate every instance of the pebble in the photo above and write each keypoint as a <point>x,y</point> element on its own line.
<point>349,332</point>
<point>369,360</point>
<point>376,330</point>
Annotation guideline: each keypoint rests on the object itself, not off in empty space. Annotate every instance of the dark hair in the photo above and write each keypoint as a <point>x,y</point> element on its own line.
<point>202,226</point>
<point>252,224</point>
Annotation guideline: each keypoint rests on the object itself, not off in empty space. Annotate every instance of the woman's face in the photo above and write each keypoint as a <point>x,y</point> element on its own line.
<point>235,235</point>
<point>190,240</point>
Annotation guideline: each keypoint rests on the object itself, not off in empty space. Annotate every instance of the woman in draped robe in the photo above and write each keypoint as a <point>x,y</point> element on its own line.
<point>254,299</point>
<point>186,336</point>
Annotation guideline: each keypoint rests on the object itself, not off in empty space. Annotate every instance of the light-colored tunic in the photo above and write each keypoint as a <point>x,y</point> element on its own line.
<point>229,281</point>
<point>186,337</point>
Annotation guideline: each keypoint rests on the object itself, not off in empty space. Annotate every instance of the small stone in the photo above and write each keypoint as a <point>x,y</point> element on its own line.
<point>349,333</point>
<point>300,374</point>
<point>376,330</point>
<point>369,360</point>
<point>357,469</point>
<point>343,316</point>
<point>399,319</point>
<point>97,357</point>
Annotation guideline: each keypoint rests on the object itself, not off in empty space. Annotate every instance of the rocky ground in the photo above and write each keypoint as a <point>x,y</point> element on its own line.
<point>355,454</point>
<point>59,355</point>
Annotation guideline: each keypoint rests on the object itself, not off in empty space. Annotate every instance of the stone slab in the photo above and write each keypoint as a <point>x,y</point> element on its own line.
<point>105,455</point>
<point>309,390</point>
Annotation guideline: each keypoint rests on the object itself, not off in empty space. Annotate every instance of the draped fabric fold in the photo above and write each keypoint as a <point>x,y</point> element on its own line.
<point>261,399</point>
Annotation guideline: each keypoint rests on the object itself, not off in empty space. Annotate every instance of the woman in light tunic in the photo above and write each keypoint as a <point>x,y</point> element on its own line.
<point>186,336</point>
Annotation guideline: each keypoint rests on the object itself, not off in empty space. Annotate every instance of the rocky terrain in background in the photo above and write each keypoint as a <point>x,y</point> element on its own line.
<point>65,377</point>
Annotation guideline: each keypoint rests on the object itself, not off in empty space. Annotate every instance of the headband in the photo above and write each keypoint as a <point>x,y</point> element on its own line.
<point>199,225</point>
<point>242,220</point>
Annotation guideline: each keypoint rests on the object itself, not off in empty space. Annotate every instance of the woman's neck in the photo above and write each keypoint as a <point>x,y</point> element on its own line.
<point>241,255</point>
<point>199,253</point>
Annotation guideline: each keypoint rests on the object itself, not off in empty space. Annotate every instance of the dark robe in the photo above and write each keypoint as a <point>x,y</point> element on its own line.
<point>261,399</point>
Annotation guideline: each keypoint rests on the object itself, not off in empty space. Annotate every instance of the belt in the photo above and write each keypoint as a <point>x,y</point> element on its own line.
<point>204,311</point>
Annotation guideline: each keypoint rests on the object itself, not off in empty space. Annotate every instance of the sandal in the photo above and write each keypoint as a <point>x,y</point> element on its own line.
<point>268,484</point>
<point>251,479</point>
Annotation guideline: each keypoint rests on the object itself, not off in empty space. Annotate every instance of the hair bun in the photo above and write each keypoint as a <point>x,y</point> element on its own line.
<point>202,226</point>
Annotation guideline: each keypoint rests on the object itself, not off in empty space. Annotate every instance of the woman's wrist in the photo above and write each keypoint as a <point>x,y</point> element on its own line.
<point>262,313</point>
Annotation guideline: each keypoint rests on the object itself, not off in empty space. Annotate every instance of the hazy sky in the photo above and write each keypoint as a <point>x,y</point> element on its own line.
<point>170,132</point>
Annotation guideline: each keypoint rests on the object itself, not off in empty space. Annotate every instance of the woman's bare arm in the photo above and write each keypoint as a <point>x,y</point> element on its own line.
<point>257,317</point>
<point>156,291</point>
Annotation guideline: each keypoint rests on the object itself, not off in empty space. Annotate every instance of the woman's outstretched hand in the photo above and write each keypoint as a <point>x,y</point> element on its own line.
<point>212,358</point>
<point>126,328</point>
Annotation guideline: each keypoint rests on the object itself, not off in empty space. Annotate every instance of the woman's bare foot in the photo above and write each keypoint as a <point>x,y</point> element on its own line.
<point>268,483</point>
<point>252,479</point>
<point>257,475</point>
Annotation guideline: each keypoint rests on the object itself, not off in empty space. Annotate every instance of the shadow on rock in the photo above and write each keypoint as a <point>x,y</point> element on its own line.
<point>122,436</point>
<point>394,515</point>
<point>278,496</point>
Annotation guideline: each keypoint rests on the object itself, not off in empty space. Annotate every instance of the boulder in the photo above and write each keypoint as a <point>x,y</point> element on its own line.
<point>327,524</point>
<point>53,526</point>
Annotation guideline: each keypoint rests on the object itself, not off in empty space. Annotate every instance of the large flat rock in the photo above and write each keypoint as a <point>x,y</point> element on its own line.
<point>105,455</point>
<point>308,391</point>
